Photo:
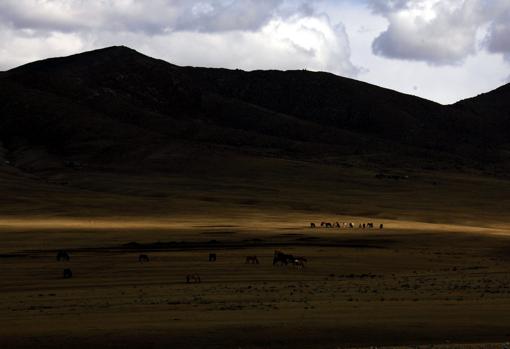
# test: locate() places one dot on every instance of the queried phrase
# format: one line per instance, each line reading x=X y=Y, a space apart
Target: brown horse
x=252 y=260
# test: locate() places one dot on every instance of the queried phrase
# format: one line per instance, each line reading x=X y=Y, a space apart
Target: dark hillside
x=117 y=107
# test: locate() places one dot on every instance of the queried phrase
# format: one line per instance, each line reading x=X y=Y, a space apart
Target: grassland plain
x=438 y=272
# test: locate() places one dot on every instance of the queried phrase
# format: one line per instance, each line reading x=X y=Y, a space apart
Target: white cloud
x=441 y=32
x=448 y=49
x=435 y=31
x=247 y=34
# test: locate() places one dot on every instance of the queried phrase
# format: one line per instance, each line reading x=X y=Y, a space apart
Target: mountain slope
x=115 y=106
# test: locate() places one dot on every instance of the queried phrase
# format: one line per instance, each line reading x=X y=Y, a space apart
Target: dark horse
x=63 y=256
x=68 y=273
x=193 y=278
x=252 y=260
x=281 y=258
x=212 y=257
x=143 y=258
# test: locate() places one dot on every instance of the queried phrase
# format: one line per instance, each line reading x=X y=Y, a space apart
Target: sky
x=442 y=50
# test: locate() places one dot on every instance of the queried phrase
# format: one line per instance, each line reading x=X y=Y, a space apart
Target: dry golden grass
x=438 y=272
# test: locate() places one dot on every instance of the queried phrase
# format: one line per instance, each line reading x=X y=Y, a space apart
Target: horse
x=193 y=278
x=252 y=260
x=299 y=262
x=381 y=226
x=143 y=258
x=312 y=225
x=370 y=225
x=68 y=273
x=63 y=256
x=328 y=225
x=337 y=225
x=351 y=225
x=281 y=258
x=212 y=257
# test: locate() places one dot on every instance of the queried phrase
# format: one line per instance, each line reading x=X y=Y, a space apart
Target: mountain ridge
x=117 y=100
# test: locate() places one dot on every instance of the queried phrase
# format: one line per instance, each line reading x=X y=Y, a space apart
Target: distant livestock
x=143 y=258
x=280 y=258
x=351 y=225
x=252 y=260
x=62 y=256
x=299 y=262
x=193 y=278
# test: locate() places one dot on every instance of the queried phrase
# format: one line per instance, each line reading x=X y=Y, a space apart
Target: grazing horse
x=328 y=225
x=381 y=226
x=193 y=278
x=143 y=258
x=281 y=258
x=212 y=257
x=312 y=225
x=337 y=225
x=252 y=260
x=299 y=262
x=68 y=273
x=323 y=224
x=63 y=256
x=351 y=225
x=370 y=225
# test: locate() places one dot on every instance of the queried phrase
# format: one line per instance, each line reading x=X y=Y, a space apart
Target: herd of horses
x=279 y=259
x=345 y=225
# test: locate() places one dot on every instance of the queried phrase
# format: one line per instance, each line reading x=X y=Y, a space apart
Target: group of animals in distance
x=279 y=258
x=345 y=225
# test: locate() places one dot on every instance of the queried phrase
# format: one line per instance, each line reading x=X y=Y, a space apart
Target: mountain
x=114 y=132
x=117 y=107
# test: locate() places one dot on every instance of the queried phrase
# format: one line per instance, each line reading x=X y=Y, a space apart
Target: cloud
x=497 y=39
x=246 y=34
x=442 y=32
x=439 y=32
x=283 y=43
